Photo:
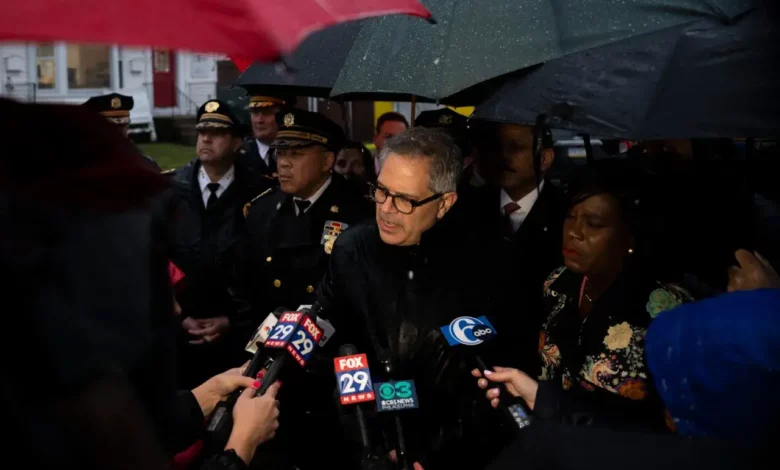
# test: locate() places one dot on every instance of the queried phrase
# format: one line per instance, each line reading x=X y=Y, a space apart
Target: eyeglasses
x=403 y=204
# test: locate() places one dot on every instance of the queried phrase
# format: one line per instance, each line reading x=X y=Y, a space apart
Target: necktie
x=509 y=208
x=213 y=187
x=302 y=206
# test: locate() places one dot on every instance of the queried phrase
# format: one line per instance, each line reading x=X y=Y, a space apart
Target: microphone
x=220 y=423
x=354 y=381
x=388 y=401
x=294 y=336
x=473 y=332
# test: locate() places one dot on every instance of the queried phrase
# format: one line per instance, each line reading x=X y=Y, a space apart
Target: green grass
x=169 y=156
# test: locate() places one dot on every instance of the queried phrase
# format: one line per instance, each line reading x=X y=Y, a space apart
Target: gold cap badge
x=334 y=209
x=212 y=106
x=445 y=119
x=289 y=120
x=116 y=103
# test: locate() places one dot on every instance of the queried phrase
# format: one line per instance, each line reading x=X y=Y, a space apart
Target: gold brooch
x=212 y=106
x=334 y=209
x=116 y=103
x=289 y=120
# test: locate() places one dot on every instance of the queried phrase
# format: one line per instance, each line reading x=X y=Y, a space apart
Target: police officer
x=263 y=108
x=291 y=229
x=285 y=252
x=116 y=108
x=209 y=196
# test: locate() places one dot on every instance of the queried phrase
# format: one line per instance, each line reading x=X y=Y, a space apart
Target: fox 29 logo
x=469 y=331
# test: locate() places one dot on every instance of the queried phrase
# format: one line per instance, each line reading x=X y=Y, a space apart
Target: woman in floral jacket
x=598 y=307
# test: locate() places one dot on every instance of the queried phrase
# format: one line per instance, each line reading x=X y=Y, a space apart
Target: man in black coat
x=284 y=254
x=394 y=282
x=518 y=215
x=263 y=108
x=209 y=196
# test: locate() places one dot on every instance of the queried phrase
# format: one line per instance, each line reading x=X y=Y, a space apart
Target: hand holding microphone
x=517 y=383
x=255 y=420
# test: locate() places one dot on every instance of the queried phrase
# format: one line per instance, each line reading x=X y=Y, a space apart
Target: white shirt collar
x=224 y=182
x=314 y=197
x=526 y=203
x=262 y=150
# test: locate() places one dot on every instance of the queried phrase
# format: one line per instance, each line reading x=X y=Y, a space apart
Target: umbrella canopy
x=251 y=29
x=312 y=69
x=476 y=40
x=702 y=80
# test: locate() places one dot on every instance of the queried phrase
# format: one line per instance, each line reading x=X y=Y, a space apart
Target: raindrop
x=436 y=61
x=669 y=351
x=684 y=380
x=663 y=385
x=411 y=275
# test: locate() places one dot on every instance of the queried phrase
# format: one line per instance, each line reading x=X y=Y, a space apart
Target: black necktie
x=213 y=187
x=302 y=206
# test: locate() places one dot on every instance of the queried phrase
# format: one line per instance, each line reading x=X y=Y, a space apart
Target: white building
x=164 y=83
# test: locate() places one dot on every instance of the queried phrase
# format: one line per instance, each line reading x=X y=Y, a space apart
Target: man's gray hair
x=434 y=145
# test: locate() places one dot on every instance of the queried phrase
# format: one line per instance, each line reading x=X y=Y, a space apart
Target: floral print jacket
x=603 y=352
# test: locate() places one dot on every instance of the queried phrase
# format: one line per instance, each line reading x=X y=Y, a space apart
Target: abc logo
x=470 y=331
x=480 y=332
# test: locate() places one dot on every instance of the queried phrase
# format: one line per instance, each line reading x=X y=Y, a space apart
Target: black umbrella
x=313 y=68
x=476 y=40
x=706 y=79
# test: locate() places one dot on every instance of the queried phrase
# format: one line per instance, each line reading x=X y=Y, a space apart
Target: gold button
x=310 y=289
x=268 y=260
x=277 y=283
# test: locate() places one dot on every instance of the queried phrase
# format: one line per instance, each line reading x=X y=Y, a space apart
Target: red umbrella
x=252 y=29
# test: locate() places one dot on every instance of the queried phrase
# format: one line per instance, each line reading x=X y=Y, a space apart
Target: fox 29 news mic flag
x=471 y=331
x=296 y=334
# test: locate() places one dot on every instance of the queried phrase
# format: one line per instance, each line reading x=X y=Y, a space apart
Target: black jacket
x=388 y=297
x=519 y=264
x=249 y=157
x=202 y=238
x=282 y=257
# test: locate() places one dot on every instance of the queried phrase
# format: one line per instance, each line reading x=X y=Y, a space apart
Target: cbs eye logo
x=390 y=391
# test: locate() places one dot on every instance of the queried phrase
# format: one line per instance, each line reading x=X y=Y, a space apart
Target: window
x=162 y=61
x=46 y=65
x=88 y=66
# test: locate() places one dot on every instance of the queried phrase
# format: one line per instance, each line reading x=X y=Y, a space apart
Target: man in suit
x=263 y=108
x=209 y=196
x=521 y=216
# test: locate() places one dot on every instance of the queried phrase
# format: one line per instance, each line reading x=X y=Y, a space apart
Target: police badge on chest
x=330 y=232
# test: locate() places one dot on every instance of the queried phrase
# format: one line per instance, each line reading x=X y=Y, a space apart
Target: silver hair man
x=417 y=183
x=433 y=144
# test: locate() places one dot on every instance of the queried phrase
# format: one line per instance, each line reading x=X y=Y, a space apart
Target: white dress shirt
x=526 y=203
x=224 y=182
x=263 y=149
x=313 y=198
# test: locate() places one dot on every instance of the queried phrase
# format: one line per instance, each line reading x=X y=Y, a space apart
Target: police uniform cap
x=442 y=118
x=260 y=97
x=216 y=114
x=115 y=107
x=300 y=128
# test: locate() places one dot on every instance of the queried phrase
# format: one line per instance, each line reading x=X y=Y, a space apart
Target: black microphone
x=220 y=422
x=354 y=385
x=473 y=332
x=389 y=371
